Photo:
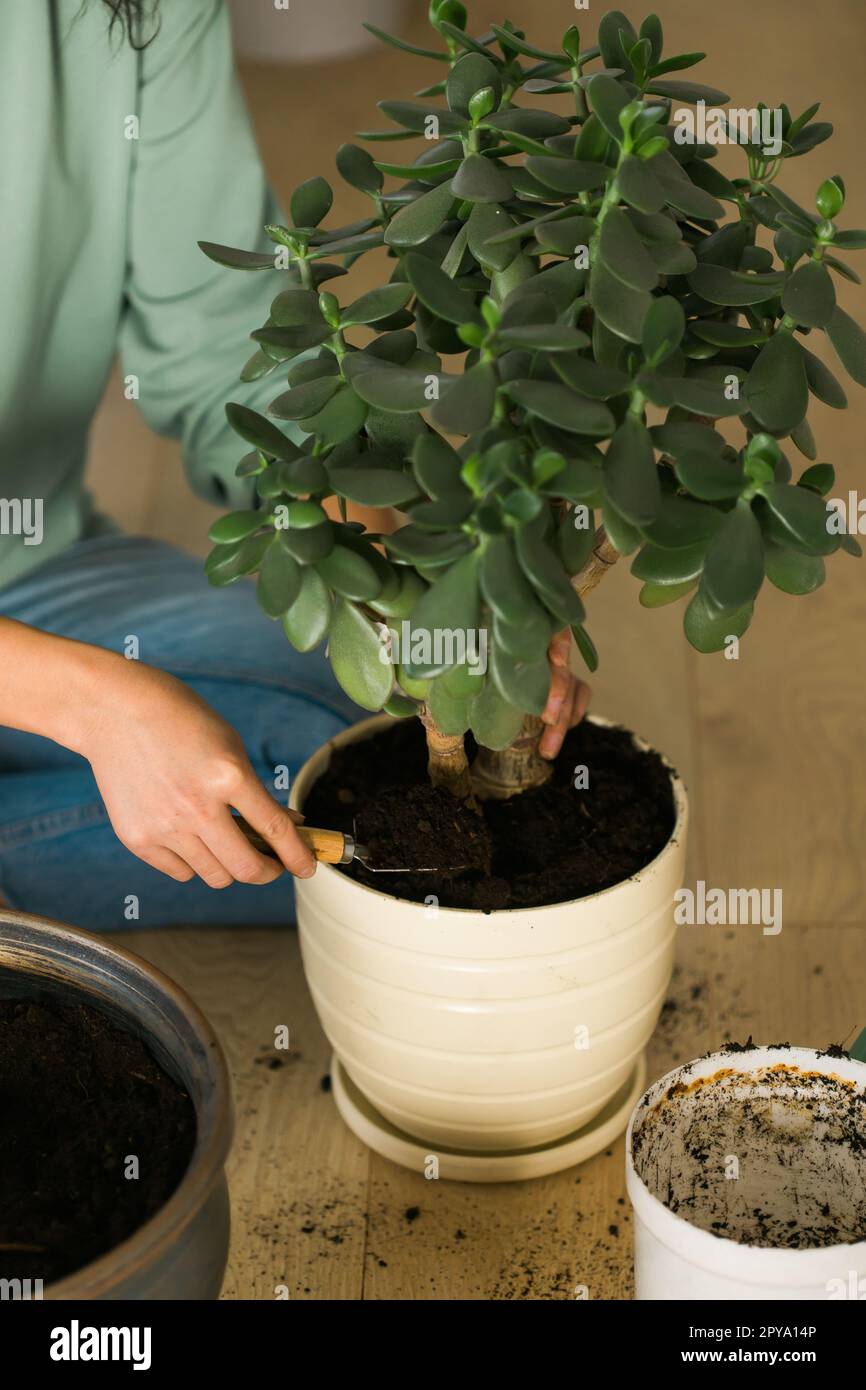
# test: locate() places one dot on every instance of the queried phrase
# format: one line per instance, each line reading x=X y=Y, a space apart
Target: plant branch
x=447 y=764
x=604 y=556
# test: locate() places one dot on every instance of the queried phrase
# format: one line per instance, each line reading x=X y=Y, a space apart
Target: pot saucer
x=464 y=1165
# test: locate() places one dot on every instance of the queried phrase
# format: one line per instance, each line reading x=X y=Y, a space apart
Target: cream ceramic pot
x=801 y=1120
x=488 y=1031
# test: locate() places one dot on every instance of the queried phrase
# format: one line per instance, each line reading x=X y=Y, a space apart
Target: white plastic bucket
x=463 y=1028
x=795 y=1099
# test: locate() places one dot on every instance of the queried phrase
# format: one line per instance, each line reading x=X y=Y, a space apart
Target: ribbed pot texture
x=488 y=1031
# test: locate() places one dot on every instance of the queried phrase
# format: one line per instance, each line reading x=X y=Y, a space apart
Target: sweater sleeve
x=197 y=176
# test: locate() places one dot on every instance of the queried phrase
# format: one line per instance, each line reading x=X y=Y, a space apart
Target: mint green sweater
x=98 y=250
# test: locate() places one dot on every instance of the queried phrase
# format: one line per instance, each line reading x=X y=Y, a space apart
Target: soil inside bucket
x=775 y=1157
x=553 y=844
x=79 y=1099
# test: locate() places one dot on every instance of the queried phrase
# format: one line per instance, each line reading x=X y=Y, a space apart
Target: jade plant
x=605 y=296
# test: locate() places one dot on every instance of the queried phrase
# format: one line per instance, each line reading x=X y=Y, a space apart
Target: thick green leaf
x=279 y=581
x=238 y=260
x=340 y=419
x=470 y=74
x=417 y=118
x=616 y=29
x=401 y=603
x=690 y=92
x=480 y=180
x=376 y=305
x=630 y=477
x=821 y=478
x=485 y=221
x=793 y=572
x=505 y=587
x=419 y=220
x=681 y=522
x=494 y=722
x=776 y=387
x=438 y=291
x=304 y=401
x=259 y=432
x=561 y=407
x=545 y=337
x=306 y=623
x=639 y=186
x=660 y=595
x=452 y=605
x=589 y=378
x=803 y=516
x=349 y=574
x=226 y=563
x=358 y=657
x=545 y=572
x=310 y=544
x=663 y=329
x=570 y=176
x=608 y=98
x=822 y=382
x=525 y=684
x=849 y=340
x=624 y=254
x=709 y=631
x=575 y=538
x=311 y=202
x=403 y=45
x=708 y=476
x=424 y=549
x=621 y=309
x=397 y=389
x=236 y=527
x=734 y=563
x=449 y=708
x=810 y=296
x=357 y=168
x=669 y=567
x=467 y=405
x=296 y=308
x=374 y=487
x=720 y=285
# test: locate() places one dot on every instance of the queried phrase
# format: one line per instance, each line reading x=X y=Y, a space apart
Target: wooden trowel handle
x=329 y=846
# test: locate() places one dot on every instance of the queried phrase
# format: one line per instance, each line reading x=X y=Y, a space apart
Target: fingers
x=571 y=709
x=276 y=825
x=167 y=862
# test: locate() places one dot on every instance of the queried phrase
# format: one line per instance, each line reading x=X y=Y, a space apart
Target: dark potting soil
x=77 y=1098
x=549 y=845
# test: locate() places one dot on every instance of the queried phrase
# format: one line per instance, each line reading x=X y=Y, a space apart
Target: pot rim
x=213 y=1139
x=729 y=1258
x=365 y=728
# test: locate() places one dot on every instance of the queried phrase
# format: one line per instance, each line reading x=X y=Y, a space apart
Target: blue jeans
x=59 y=856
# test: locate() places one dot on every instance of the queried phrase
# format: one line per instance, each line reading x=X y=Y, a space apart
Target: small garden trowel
x=331 y=847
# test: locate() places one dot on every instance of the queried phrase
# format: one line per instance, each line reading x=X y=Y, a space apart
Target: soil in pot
x=775 y=1157
x=553 y=844
x=78 y=1097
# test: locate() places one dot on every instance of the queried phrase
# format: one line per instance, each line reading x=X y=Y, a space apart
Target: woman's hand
x=568 y=700
x=169 y=768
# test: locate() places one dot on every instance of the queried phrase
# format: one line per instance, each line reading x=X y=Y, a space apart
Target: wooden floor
x=772 y=747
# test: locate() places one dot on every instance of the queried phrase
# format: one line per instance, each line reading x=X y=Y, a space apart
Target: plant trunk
x=500 y=773
x=447 y=764
x=506 y=772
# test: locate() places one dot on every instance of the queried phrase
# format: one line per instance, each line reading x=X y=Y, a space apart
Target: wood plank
x=297 y=1176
